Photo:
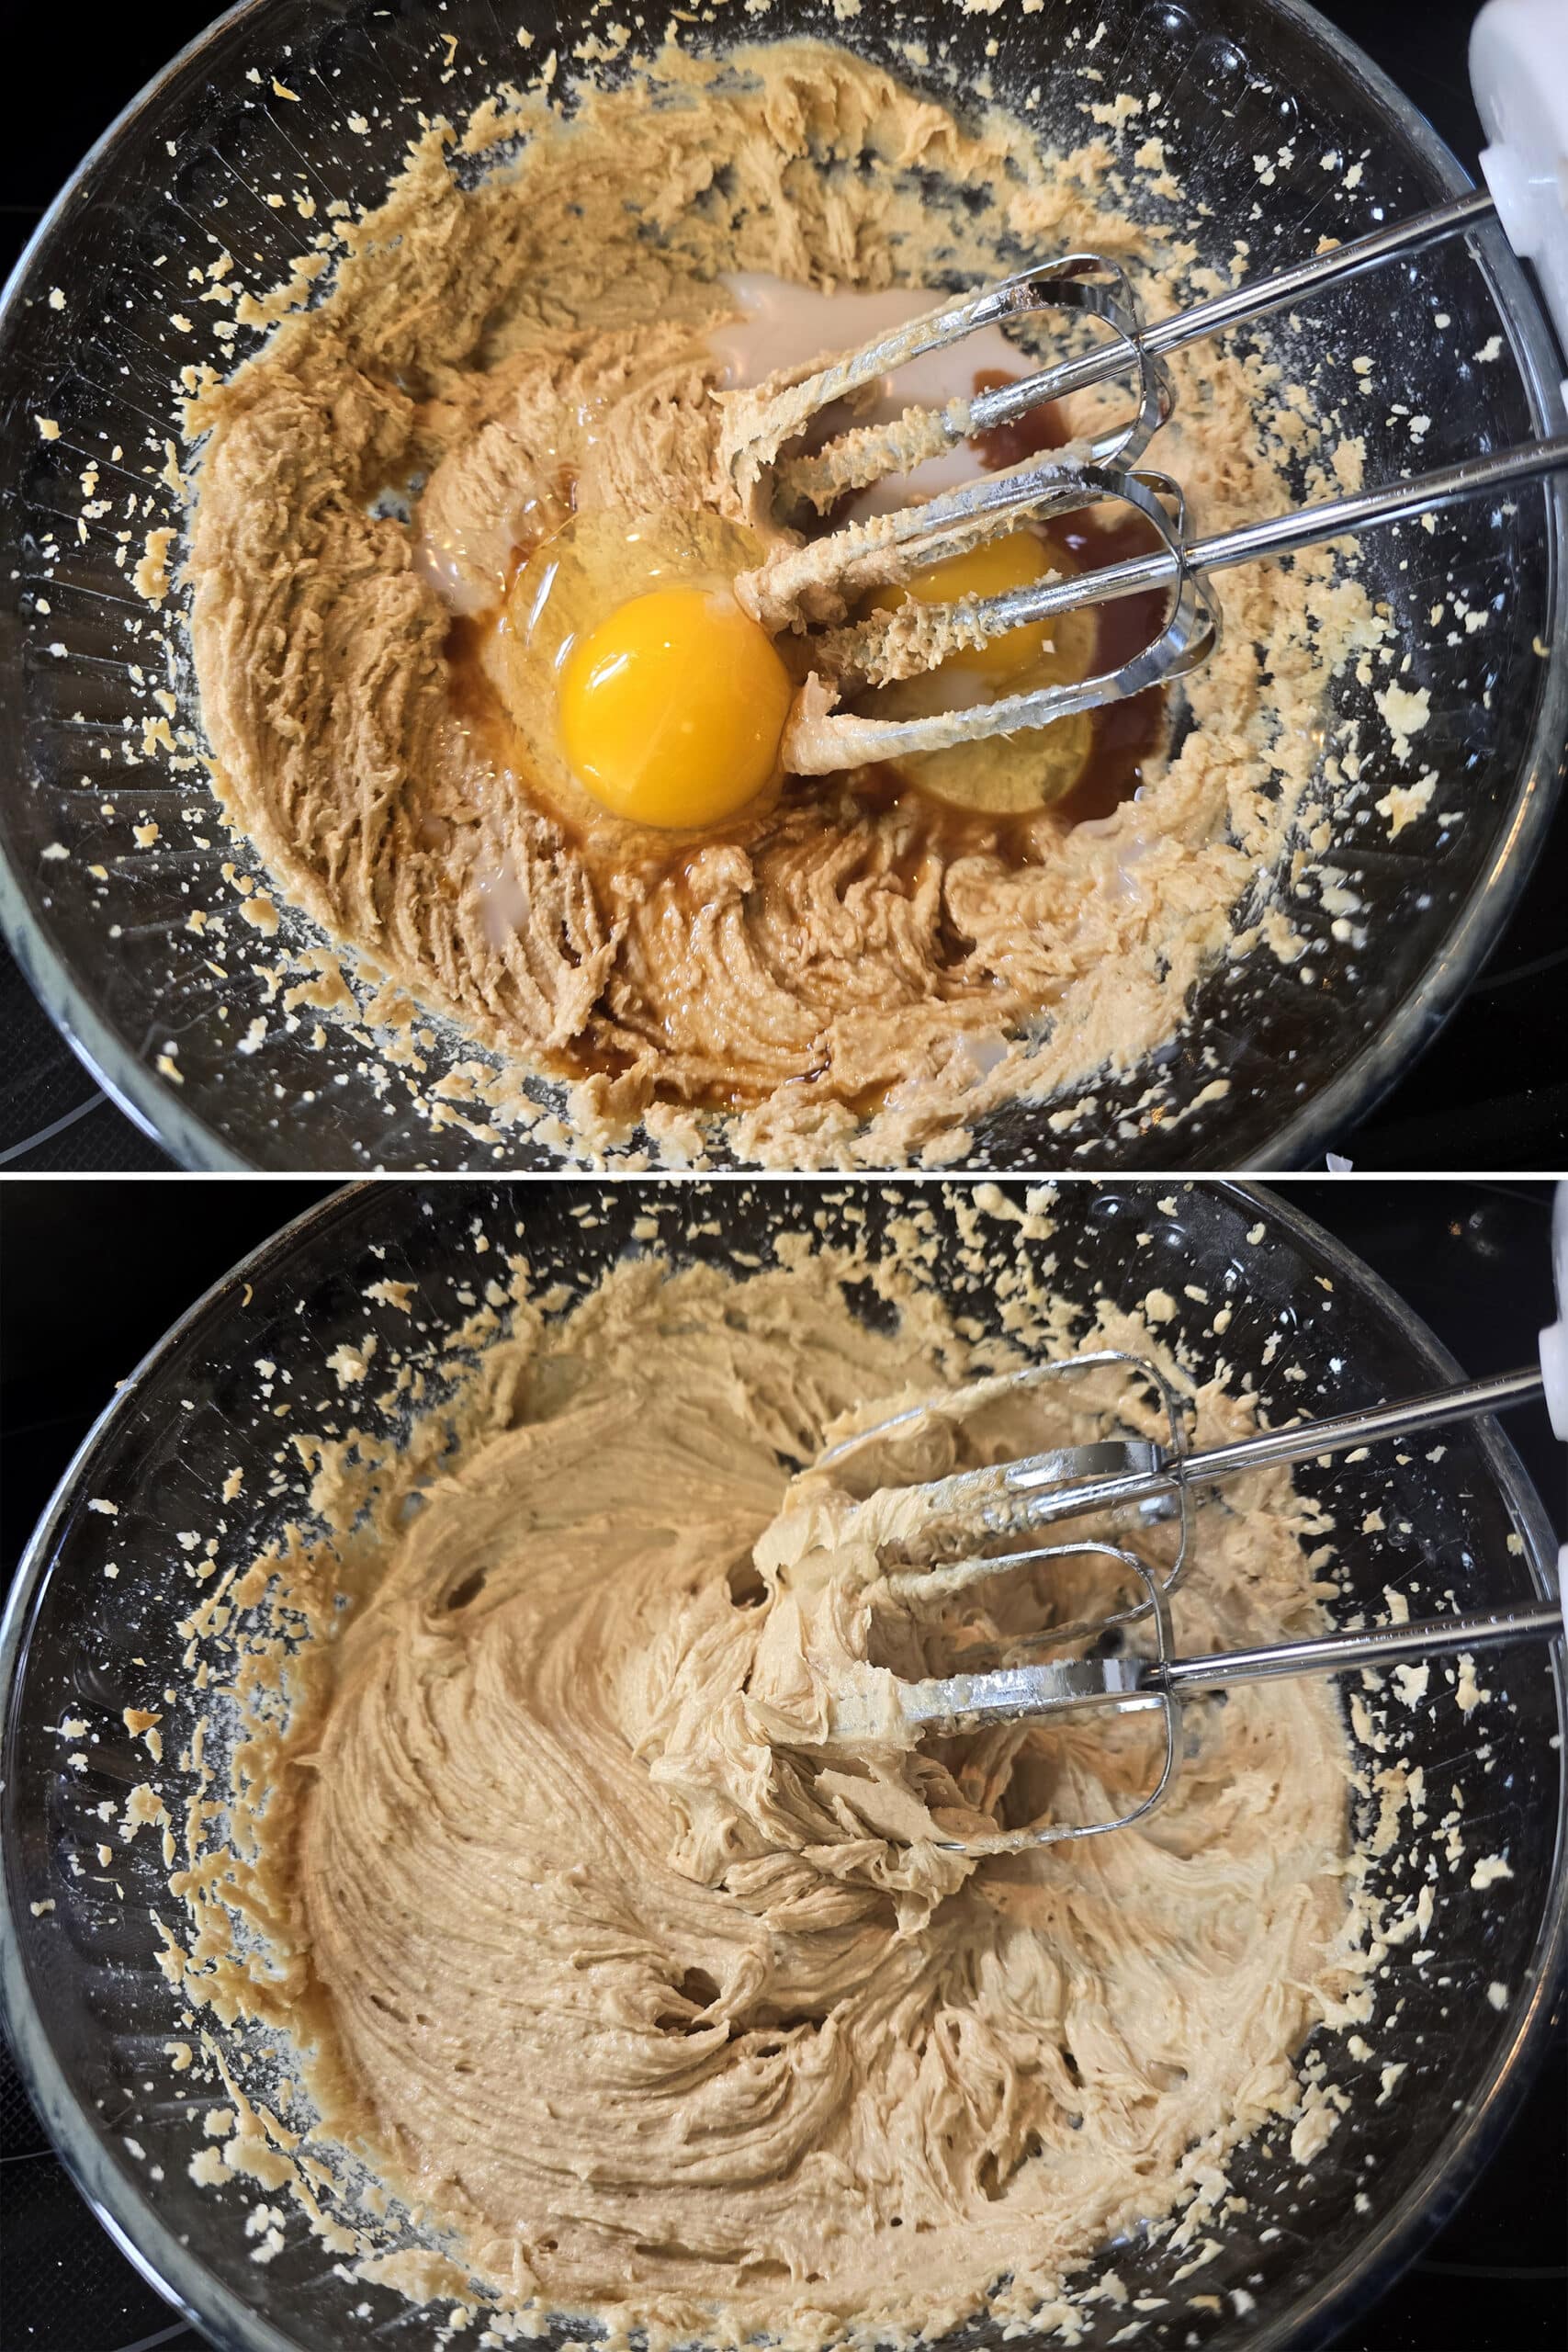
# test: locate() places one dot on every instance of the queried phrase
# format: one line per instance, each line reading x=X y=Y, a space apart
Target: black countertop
x=78 y=1312
x=1493 y=1091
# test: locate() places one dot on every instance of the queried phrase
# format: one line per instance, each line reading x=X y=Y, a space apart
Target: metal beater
x=823 y=580
x=951 y=1528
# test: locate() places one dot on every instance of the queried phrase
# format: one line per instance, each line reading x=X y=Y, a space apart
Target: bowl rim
x=152 y=1103
x=116 y=2196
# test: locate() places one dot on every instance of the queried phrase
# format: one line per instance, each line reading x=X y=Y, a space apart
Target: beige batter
x=671 y=2009
x=834 y=975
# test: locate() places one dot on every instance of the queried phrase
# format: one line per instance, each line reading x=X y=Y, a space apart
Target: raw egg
x=637 y=677
x=1000 y=774
x=672 y=709
x=990 y=569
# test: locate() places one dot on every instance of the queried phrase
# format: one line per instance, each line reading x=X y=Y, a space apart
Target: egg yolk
x=672 y=709
x=989 y=569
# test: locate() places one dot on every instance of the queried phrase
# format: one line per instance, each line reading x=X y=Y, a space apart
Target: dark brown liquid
x=474 y=701
x=466 y=638
x=1036 y=430
x=1126 y=733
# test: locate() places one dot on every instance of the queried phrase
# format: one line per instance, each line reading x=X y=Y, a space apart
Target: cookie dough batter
x=676 y=2013
x=843 y=971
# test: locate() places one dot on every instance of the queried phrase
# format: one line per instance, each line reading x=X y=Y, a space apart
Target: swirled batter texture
x=835 y=975
x=676 y=2013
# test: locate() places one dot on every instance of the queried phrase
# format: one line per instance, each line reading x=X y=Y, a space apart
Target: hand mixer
x=972 y=1511
x=1523 y=97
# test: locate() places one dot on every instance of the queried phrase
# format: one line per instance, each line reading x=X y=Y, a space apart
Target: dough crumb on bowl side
x=511 y=1848
x=820 y=985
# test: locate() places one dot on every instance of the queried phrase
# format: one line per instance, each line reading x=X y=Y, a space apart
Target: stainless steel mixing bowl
x=98 y=911
x=1461 y=2009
